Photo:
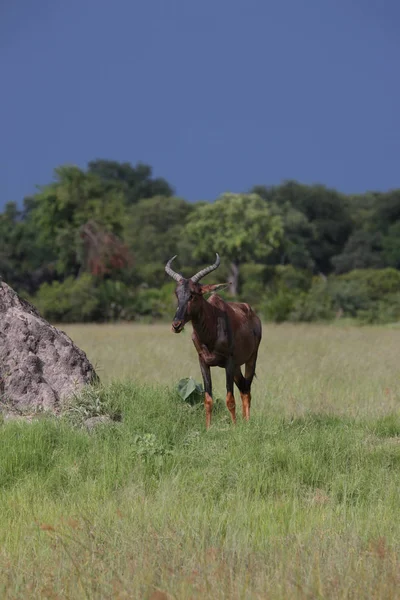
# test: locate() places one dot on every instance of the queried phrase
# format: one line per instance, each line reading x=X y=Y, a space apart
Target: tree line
x=92 y=244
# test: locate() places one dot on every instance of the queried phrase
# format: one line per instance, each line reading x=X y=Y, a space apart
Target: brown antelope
x=225 y=334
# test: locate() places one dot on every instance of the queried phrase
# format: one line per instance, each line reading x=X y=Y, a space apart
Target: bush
x=316 y=305
x=155 y=303
x=116 y=301
x=382 y=312
x=291 y=278
x=253 y=280
x=370 y=295
x=151 y=274
x=286 y=289
x=282 y=293
x=379 y=282
x=349 y=296
x=72 y=301
x=85 y=299
x=278 y=306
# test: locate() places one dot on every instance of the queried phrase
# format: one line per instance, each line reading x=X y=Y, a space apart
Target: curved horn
x=207 y=270
x=170 y=272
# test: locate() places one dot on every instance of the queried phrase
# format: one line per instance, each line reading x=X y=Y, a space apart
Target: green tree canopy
x=61 y=208
x=135 y=183
x=240 y=227
x=363 y=250
x=154 y=231
x=324 y=228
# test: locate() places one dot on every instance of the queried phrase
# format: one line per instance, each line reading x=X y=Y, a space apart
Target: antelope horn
x=170 y=272
x=207 y=270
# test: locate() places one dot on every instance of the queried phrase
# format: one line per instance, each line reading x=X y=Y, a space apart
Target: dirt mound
x=40 y=366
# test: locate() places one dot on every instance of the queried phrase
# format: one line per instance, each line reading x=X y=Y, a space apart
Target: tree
x=61 y=208
x=8 y=232
x=154 y=232
x=295 y=246
x=387 y=209
x=240 y=227
x=20 y=255
x=135 y=183
x=362 y=251
x=391 y=246
x=104 y=253
x=322 y=231
x=362 y=209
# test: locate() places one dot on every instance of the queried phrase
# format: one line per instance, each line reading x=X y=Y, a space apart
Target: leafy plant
x=278 y=307
x=72 y=301
x=190 y=391
x=148 y=448
x=316 y=305
x=91 y=402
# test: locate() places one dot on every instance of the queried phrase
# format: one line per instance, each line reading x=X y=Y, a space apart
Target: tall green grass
x=285 y=506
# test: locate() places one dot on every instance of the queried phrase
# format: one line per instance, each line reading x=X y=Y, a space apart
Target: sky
x=215 y=95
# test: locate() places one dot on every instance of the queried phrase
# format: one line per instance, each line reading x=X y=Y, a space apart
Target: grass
x=302 y=502
x=350 y=371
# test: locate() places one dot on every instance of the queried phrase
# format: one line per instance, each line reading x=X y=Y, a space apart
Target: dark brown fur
x=226 y=335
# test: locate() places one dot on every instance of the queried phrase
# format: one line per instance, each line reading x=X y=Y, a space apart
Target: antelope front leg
x=208 y=401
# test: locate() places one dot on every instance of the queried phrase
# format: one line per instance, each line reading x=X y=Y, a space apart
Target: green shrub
x=278 y=306
x=253 y=280
x=273 y=290
x=72 y=301
x=291 y=278
x=84 y=299
x=116 y=301
x=382 y=311
x=316 y=305
x=379 y=282
x=280 y=293
x=370 y=295
x=349 y=296
x=155 y=303
x=151 y=274
x=287 y=287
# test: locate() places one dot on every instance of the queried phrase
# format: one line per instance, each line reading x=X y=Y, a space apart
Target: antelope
x=225 y=334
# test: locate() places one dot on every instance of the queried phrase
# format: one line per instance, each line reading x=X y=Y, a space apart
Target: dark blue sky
x=216 y=95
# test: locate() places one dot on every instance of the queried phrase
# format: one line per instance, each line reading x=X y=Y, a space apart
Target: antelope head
x=189 y=293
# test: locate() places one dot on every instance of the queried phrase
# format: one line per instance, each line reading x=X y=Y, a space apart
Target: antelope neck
x=203 y=322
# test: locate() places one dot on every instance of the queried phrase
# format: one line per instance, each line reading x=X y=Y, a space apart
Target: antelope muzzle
x=177 y=326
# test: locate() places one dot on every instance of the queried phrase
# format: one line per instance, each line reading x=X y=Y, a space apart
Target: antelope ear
x=206 y=289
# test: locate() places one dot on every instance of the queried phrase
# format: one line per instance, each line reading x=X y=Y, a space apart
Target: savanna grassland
x=301 y=502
